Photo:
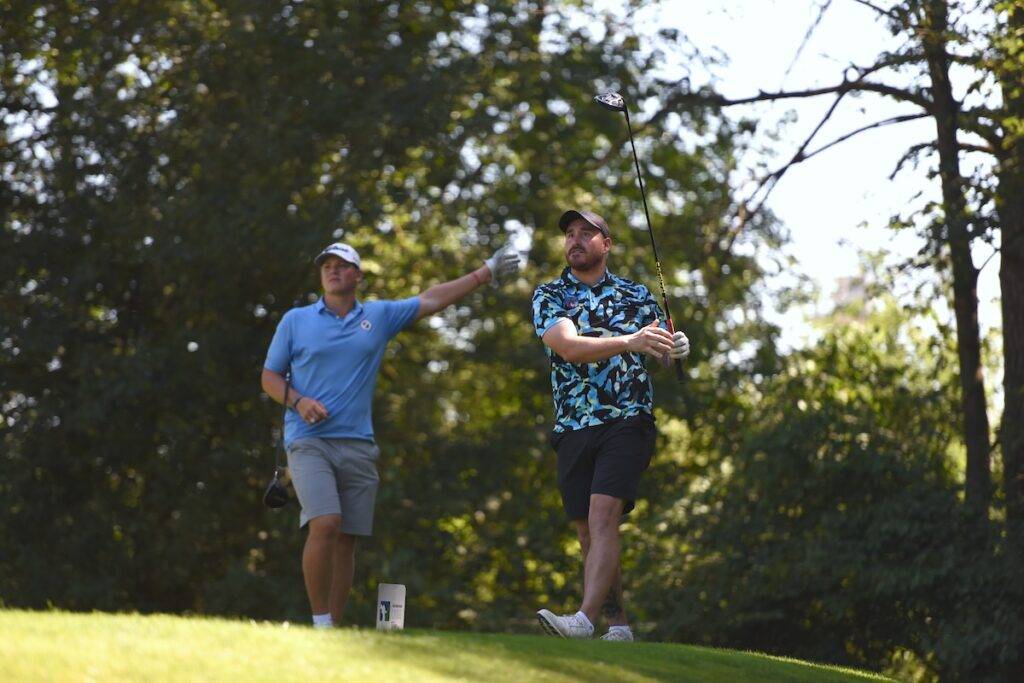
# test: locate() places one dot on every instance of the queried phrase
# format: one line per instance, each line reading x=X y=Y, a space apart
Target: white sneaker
x=620 y=634
x=567 y=626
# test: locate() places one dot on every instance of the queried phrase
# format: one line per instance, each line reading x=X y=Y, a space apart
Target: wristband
x=295 y=403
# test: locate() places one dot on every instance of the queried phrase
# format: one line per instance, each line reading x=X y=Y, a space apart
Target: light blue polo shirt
x=335 y=361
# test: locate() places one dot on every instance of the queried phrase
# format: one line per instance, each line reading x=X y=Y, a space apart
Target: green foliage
x=831 y=526
x=170 y=170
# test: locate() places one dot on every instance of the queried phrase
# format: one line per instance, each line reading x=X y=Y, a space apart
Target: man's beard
x=588 y=261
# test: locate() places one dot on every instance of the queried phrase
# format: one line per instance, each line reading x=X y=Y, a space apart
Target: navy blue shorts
x=607 y=458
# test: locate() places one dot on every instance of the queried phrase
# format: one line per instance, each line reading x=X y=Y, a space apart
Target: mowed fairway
x=58 y=646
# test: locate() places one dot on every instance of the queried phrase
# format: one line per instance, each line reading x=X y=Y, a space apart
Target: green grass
x=61 y=646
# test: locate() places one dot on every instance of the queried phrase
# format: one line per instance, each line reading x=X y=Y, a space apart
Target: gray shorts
x=335 y=477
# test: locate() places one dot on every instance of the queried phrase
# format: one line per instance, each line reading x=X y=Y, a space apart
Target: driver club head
x=611 y=100
x=276 y=495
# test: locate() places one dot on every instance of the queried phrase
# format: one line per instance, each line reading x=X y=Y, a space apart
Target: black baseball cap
x=588 y=216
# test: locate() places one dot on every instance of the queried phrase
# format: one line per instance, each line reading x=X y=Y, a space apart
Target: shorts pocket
x=309 y=443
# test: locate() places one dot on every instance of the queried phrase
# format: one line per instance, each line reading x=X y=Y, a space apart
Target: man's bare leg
x=613 y=608
x=602 y=564
x=344 y=572
x=318 y=560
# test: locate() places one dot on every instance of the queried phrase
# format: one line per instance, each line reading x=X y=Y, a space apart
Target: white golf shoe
x=623 y=635
x=566 y=626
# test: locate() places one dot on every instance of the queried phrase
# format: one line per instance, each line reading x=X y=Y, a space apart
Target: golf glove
x=504 y=264
x=680 y=346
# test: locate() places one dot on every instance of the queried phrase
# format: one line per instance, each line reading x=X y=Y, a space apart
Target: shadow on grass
x=522 y=656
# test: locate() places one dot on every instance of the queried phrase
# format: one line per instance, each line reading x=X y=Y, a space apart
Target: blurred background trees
x=168 y=172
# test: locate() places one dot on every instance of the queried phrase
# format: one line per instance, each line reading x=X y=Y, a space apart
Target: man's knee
x=325 y=527
x=605 y=512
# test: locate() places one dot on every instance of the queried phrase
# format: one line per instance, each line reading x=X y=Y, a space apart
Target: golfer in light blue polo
x=333 y=349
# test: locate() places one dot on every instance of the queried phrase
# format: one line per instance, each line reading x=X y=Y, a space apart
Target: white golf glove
x=680 y=346
x=504 y=264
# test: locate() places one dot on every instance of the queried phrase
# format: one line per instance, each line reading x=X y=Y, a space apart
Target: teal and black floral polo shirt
x=588 y=394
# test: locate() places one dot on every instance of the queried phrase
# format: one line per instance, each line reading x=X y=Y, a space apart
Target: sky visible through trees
x=839 y=203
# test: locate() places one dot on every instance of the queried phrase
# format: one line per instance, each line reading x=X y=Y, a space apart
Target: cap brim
x=319 y=260
x=568 y=217
x=572 y=214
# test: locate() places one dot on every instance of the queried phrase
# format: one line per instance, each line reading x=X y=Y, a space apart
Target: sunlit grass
x=60 y=646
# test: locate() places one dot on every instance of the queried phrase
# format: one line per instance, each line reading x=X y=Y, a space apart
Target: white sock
x=322 y=620
x=620 y=628
x=586 y=620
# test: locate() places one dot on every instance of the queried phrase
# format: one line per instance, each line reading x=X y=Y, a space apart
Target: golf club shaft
x=680 y=376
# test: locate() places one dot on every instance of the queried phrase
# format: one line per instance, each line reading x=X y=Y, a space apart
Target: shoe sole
x=548 y=627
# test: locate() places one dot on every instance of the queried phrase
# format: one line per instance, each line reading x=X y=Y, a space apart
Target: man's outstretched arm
x=503 y=265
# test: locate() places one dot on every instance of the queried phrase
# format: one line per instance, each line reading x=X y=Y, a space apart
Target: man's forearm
x=563 y=339
x=443 y=295
x=593 y=349
x=274 y=385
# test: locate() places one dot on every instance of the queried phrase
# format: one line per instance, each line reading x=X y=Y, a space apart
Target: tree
x=1010 y=73
x=829 y=526
x=926 y=24
x=163 y=208
x=1009 y=70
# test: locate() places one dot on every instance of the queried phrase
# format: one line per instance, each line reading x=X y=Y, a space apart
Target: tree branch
x=678 y=92
x=990 y=257
x=880 y=10
x=842 y=88
x=877 y=124
x=910 y=154
x=971 y=147
x=971 y=121
x=744 y=213
x=1005 y=245
x=807 y=37
x=768 y=182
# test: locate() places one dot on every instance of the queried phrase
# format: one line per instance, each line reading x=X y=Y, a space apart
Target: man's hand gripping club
x=651 y=340
x=660 y=343
x=564 y=340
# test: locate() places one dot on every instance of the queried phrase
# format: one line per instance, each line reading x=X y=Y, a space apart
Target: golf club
x=276 y=495
x=615 y=102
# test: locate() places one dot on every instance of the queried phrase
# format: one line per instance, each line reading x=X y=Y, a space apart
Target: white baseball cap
x=341 y=250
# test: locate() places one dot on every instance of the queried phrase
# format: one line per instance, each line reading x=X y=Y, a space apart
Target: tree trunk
x=1010 y=202
x=1011 y=282
x=1010 y=205
x=965 y=275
